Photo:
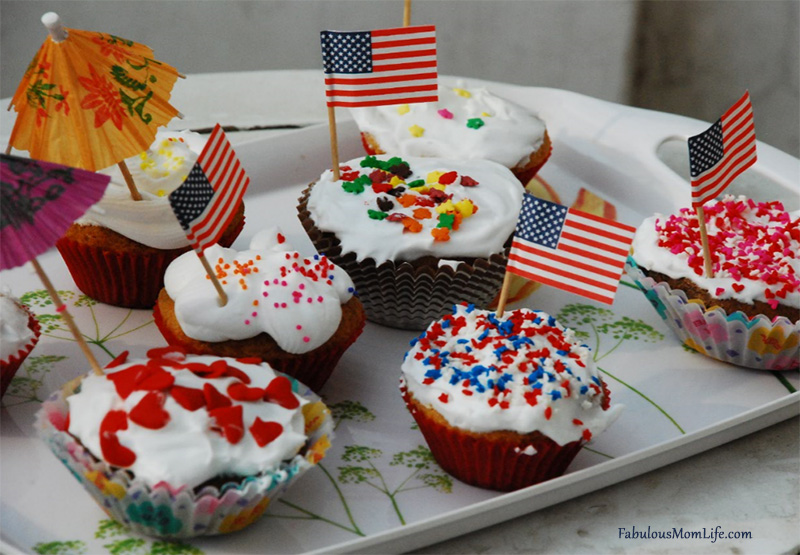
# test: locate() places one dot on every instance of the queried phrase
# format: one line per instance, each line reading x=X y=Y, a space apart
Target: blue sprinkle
x=595 y=380
x=351 y=289
x=435 y=374
x=584 y=389
x=330 y=276
x=551 y=321
x=468 y=349
x=483 y=336
x=537 y=385
x=470 y=308
x=445 y=324
x=555 y=395
x=462 y=341
x=316 y=257
x=414 y=341
x=562 y=353
x=551 y=377
x=536 y=374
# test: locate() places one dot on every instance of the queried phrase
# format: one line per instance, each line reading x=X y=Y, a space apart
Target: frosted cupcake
x=118 y=252
x=298 y=314
x=504 y=403
x=19 y=333
x=415 y=234
x=747 y=314
x=181 y=446
x=466 y=123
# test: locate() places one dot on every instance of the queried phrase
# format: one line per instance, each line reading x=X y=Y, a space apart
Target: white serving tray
x=677 y=403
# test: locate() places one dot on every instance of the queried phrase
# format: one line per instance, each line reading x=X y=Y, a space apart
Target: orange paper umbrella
x=90 y=99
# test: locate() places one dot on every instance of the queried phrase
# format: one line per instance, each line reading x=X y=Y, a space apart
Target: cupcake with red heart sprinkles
x=178 y=445
x=504 y=402
x=748 y=312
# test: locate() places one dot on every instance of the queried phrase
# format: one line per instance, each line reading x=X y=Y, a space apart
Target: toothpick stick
x=407 y=13
x=62 y=309
x=334 y=142
x=126 y=174
x=223 y=298
x=701 y=220
x=501 y=303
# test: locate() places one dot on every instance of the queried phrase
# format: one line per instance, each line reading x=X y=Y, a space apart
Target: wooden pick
x=62 y=309
x=223 y=298
x=501 y=303
x=407 y=13
x=135 y=194
x=334 y=142
x=701 y=220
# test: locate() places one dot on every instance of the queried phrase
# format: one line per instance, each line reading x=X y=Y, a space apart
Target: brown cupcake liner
x=312 y=368
x=9 y=367
x=409 y=295
x=492 y=463
x=123 y=278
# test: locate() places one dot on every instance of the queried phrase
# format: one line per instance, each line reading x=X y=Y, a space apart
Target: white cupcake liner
x=736 y=338
x=162 y=511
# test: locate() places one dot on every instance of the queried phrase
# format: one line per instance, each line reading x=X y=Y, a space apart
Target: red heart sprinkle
x=218 y=369
x=249 y=360
x=240 y=392
x=125 y=380
x=281 y=238
x=113 y=451
x=279 y=391
x=234 y=372
x=189 y=398
x=170 y=351
x=120 y=360
x=228 y=422
x=214 y=399
x=448 y=178
x=738 y=287
x=265 y=432
x=149 y=412
x=155 y=379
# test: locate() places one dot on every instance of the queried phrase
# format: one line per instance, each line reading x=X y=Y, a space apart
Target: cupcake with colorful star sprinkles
x=177 y=445
x=299 y=314
x=504 y=403
x=467 y=123
x=415 y=234
x=748 y=312
x=118 y=251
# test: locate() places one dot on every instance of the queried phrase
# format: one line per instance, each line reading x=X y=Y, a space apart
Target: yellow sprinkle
x=403 y=109
x=143 y=155
x=416 y=130
x=462 y=92
x=396 y=181
x=161 y=193
x=445 y=207
x=440 y=186
x=433 y=177
x=486 y=114
x=465 y=207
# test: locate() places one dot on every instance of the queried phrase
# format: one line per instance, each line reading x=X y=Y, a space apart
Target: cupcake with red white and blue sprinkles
x=748 y=313
x=299 y=314
x=504 y=403
x=178 y=446
x=416 y=235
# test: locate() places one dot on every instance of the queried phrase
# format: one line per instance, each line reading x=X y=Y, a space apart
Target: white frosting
x=187 y=450
x=15 y=334
x=156 y=172
x=534 y=392
x=270 y=288
x=650 y=255
x=498 y=197
x=509 y=135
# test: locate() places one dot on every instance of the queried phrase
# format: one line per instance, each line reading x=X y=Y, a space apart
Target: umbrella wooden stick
x=135 y=194
x=223 y=298
x=62 y=309
x=407 y=13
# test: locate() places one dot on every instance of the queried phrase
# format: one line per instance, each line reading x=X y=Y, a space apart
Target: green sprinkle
x=373 y=162
x=416 y=183
x=475 y=123
x=357 y=186
x=446 y=220
x=376 y=214
x=369 y=162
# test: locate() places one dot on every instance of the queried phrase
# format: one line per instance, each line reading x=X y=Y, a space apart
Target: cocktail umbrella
x=90 y=100
x=38 y=202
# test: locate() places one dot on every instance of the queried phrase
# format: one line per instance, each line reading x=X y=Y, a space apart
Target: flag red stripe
x=403 y=30
x=383 y=102
x=594 y=230
x=378 y=92
x=591 y=256
x=209 y=155
x=596 y=244
x=208 y=231
x=560 y=285
x=399 y=43
x=559 y=272
x=745 y=99
x=403 y=67
x=221 y=168
x=402 y=55
x=378 y=80
x=551 y=255
x=602 y=220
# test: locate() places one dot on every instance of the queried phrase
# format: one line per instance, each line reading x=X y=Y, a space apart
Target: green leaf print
x=60 y=548
x=24 y=387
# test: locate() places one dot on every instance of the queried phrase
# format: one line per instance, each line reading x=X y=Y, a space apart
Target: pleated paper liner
x=312 y=368
x=124 y=278
x=491 y=462
x=9 y=367
x=409 y=295
x=757 y=342
x=163 y=511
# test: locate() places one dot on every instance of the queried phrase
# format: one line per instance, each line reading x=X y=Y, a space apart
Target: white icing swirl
x=498 y=197
x=509 y=133
x=189 y=448
x=15 y=334
x=156 y=172
x=270 y=288
x=484 y=375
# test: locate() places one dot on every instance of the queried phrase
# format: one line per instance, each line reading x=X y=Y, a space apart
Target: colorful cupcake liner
x=490 y=464
x=313 y=368
x=125 y=279
x=9 y=367
x=407 y=296
x=163 y=511
x=735 y=338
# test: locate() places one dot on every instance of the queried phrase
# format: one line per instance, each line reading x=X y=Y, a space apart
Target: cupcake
x=118 y=252
x=747 y=313
x=465 y=124
x=181 y=446
x=19 y=333
x=504 y=403
x=298 y=314
x=416 y=234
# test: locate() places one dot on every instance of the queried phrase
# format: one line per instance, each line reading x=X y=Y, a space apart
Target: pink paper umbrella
x=38 y=202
